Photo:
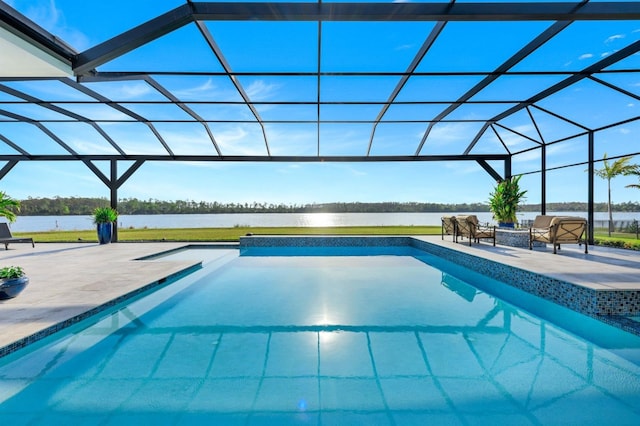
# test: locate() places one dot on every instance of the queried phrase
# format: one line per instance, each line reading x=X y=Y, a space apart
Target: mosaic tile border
x=606 y=305
x=621 y=322
x=26 y=341
x=323 y=241
x=595 y=303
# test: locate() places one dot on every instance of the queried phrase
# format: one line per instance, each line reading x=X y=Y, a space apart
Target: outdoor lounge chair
x=558 y=230
x=448 y=226
x=6 y=238
x=468 y=226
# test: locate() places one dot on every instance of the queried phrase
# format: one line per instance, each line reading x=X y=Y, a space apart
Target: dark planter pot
x=11 y=287
x=506 y=225
x=105 y=231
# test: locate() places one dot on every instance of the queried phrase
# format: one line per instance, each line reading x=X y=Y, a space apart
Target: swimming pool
x=329 y=336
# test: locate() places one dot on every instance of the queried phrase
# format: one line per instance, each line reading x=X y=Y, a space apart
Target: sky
x=375 y=47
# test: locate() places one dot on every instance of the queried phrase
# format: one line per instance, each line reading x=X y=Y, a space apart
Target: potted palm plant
x=504 y=201
x=12 y=281
x=104 y=217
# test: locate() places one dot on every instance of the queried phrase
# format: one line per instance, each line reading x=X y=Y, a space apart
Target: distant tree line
x=59 y=206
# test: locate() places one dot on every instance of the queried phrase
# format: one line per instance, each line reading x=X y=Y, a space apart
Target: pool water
x=401 y=338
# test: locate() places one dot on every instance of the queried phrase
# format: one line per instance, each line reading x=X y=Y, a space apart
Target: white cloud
x=405 y=47
x=135 y=90
x=240 y=139
x=134 y=138
x=193 y=92
x=185 y=141
x=614 y=38
x=527 y=157
x=123 y=90
x=232 y=135
x=100 y=112
x=294 y=140
x=261 y=91
x=463 y=167
x=256 y=91
x=585 y=56
x=444 y=134
x=560 y=148
x=93 y=148
x=624 y=131
x=48 y=16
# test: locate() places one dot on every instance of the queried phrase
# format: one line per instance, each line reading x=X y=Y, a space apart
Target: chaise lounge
x=468 y=226
x=558 y=230
x=6 y=238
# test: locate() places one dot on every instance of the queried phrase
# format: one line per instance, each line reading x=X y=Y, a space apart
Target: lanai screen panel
x=323 y=81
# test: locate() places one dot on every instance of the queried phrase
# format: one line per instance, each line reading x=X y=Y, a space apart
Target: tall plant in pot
x=504 y=201
x=104 y=218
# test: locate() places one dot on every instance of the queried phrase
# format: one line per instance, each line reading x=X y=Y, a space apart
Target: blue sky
x=384 y=46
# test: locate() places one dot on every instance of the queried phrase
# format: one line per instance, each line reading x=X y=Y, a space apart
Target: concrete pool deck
x=67 y=280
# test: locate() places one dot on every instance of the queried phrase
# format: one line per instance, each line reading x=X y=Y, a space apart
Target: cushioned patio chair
x=558 y=230
x=448 y=226
x=469 y=227
x=540 y=230
x=6 y=238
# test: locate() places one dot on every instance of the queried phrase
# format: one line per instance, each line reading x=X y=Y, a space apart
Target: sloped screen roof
x=329 y=81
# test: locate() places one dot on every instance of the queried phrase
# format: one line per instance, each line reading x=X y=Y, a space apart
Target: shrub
x=629 y=245
x=9 y=272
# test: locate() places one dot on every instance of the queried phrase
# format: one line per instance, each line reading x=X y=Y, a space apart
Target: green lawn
x=225 y=234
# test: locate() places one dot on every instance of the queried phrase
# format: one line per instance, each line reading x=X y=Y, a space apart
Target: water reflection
x=464 y=290
x=320 y=220
x=518 y=370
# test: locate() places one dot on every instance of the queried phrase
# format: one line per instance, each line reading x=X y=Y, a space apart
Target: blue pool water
x=329 y=338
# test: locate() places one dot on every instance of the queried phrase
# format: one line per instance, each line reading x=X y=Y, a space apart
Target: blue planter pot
x=105 y=231
x=11 y=287
x=506 y=225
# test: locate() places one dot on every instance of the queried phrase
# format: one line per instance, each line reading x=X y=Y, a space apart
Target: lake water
x=70 y=223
